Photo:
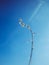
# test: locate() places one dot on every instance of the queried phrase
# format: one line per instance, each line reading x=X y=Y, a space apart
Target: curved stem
x=28 y=27
x=31 y=48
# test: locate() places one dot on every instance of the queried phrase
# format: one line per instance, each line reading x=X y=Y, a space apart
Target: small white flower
x=22 y=24
x=20 y=20
x=28 y=27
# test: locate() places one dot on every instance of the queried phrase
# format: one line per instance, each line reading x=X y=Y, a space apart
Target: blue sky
x=14 y=48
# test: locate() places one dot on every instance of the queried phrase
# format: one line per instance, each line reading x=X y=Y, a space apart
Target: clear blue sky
x=14 y=48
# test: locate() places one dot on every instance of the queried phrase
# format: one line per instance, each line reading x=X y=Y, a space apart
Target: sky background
x=14 y=45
